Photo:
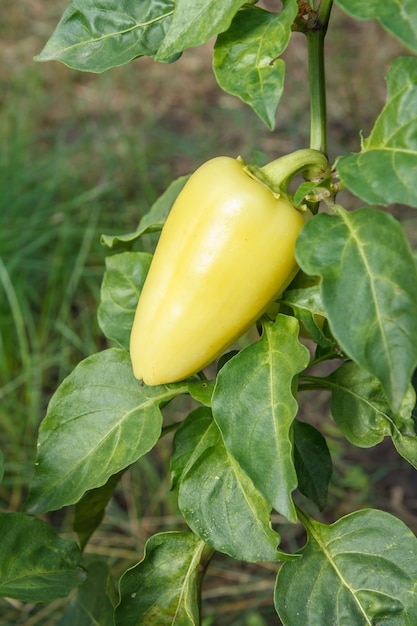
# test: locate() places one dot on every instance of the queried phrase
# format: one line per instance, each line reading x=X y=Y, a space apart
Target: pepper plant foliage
x=242 y=452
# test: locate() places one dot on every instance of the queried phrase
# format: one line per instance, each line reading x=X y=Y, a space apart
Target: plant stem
x=282 y=170
x=315 y=48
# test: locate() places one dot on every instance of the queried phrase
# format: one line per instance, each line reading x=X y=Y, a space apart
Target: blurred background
x=84 y=154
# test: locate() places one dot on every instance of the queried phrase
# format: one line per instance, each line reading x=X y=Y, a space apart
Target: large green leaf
x=246 y=58
x=36 y=565
x=164 y=588
x=91 y=606
x=194 y=22
x=384 y=172
x=359 y=571
x=96 y=35
x=122 y=283
x=218 y=501
x=398 y=17
x=360 y=408
x=254 y=408
x=99 y=421
x=369 y=291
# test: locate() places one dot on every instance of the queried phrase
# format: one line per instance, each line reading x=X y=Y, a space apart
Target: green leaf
x=96 y=35
x=398 y=18
x=164 y=588
x=361 y=570
x=122 y=284
x=246 y=58
x=201 y=390
x=254 y=408
x=221 y=505
x=312 y=462
x=158 y=213
x=152 y=222
x=89 y=511
x=194 y=22
x=196 y=433
x=36 y=565
x=99 y=421
x=369 y=291
x=308 y=309
x=1 y=466
x=360 y=408
x=91 y=606
x=384 y=171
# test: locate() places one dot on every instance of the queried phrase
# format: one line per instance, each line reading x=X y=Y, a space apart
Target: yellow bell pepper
x=225 y=253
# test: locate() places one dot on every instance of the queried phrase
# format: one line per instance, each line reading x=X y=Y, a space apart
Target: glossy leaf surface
x=94 y=36
x=398 y=18
x=36 y=565
x=254 y=408
x=246 y=58
x=384 y=171
x=218 y=501
x=360 y=408
x=369 y=291
x=194 y=22
x=99 y=421
x=163 y=589
x=361 y=570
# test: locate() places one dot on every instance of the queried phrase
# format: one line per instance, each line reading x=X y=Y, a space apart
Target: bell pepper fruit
x=225 y=253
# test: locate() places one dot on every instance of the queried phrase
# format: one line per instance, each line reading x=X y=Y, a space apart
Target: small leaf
x=94 y=36
x=384 y=172
x=398 y=18
x=201 y=390
x=152 y=222
x=254 y=408
x=308 y=309
x=194 y=22
x=89 y=511
x=246 y=58
x=164 y=588
x=369 y=291
x=360 y=570
x=36 y=565
x=360 y=408
x=99 y=421
x=91 y=606
x=120 y=290
x=313 y=463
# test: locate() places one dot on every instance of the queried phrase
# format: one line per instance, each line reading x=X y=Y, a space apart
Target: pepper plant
x=243 y=452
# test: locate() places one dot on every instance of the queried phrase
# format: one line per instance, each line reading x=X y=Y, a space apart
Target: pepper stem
x=313 y=164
